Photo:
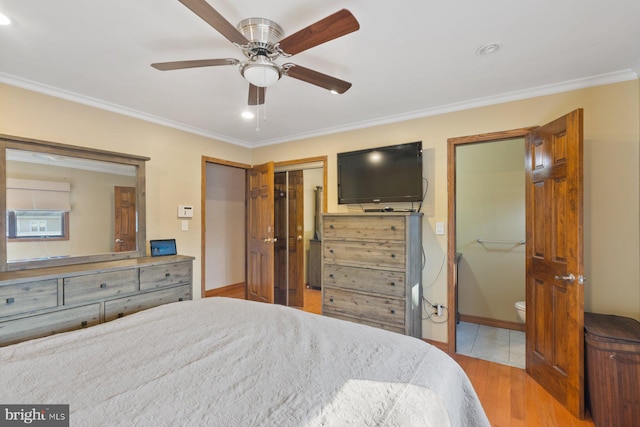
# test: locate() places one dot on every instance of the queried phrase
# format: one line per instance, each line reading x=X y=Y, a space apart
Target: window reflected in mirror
x=60 y=206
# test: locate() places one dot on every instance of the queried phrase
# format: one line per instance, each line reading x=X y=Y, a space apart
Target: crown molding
x=569 y=85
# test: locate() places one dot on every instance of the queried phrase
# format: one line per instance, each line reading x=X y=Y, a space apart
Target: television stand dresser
x=372 y=270
x=44 y=301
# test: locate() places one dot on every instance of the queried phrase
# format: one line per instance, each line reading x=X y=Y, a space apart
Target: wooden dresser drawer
x=98 y=286
x=26 y=297
x=48 y=324
x=365 y=254
x=123 y=306
x=363 y=306
x=158 y=276
x=384 y=282
x=364 y=227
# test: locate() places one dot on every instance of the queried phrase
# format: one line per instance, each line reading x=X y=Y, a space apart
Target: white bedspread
x=227 y=362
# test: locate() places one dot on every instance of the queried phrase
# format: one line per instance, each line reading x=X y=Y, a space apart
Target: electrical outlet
x=439 y=310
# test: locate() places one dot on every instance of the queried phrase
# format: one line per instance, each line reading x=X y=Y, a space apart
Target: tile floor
x=495 y=344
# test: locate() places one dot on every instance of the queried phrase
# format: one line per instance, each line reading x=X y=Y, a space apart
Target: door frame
x=203 y=197
x=452 y=143
x=203 y=212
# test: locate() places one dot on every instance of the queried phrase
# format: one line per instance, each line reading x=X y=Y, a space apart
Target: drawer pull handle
x=11 y=300
x=84 y=323
x=392 y=283
x=103 y=286
x=393 y=255
x=331 y=299
x=331 y=250
x=120 y=315
x=393 y=227
x=393 y=312
x=167 y=274
x=180 y=299
x=331 y=226
x=331 y=275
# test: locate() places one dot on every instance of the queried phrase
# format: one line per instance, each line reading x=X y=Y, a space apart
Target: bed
x=229 y=362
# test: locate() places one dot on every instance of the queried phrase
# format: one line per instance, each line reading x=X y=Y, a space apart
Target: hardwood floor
x=312 y=298
x=512 y=398
x=509 y=396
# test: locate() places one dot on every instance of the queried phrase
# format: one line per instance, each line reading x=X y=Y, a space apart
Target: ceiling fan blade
x=217 y=21
x=177 y=65
x=256 y=95
x=316 y=78
x=329 y=28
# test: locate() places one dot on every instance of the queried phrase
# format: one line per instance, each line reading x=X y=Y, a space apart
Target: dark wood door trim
x=452 y=143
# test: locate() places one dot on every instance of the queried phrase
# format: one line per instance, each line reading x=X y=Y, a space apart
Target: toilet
x=521 y=310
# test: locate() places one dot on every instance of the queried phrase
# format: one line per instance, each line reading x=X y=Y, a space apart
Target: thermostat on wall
x=185 y=211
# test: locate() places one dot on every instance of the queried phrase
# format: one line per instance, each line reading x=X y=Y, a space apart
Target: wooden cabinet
x=372 y=270
x=45 y=301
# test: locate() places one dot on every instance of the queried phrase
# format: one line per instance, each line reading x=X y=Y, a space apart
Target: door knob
x=299 y=237
x=569 y=279
x=119 y=241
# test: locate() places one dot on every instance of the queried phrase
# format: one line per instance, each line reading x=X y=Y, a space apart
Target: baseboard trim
x=505 y=324
x=439 y=344
x=224 y=291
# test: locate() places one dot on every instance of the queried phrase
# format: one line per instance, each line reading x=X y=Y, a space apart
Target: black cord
x=424 y=196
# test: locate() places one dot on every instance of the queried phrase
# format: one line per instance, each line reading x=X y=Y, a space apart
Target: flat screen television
x=381 y=175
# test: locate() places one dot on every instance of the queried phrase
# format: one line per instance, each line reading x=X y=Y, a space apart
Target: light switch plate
x=440 y=228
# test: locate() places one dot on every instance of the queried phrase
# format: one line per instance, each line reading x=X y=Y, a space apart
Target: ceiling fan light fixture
x=260 y=71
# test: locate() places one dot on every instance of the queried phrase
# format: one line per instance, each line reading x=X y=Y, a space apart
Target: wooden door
x=296 y=238
x=260 y=233
x=555 y=294
x=125 y=219
x=280 y=232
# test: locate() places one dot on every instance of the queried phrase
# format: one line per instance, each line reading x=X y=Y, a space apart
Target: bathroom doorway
x=456 y=260
x=490 y=248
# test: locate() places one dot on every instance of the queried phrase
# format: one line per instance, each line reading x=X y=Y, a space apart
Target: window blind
x=27 y=194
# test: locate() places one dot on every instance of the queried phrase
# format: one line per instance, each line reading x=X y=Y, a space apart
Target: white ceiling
x=409 y=59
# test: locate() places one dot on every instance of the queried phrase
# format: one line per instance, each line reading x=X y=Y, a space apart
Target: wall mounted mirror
x=66 y=205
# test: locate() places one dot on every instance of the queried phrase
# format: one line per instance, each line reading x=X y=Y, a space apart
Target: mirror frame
x=54 y=148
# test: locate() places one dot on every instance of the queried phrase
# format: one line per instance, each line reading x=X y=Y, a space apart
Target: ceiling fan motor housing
x=263 y=34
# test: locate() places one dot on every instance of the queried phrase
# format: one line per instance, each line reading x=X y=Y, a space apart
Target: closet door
x=260 y=233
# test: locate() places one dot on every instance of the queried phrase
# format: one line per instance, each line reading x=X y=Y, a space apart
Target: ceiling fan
x=261 y=41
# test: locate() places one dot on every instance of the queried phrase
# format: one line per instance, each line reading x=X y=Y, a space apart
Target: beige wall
x=173 y=173
x=490 y=205
x=611 y=160
x=612 y=157
x=225 y=235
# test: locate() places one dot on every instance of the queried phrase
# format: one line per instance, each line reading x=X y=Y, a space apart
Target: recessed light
x=4 y=19
x=488 y=49
x=247 y=115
